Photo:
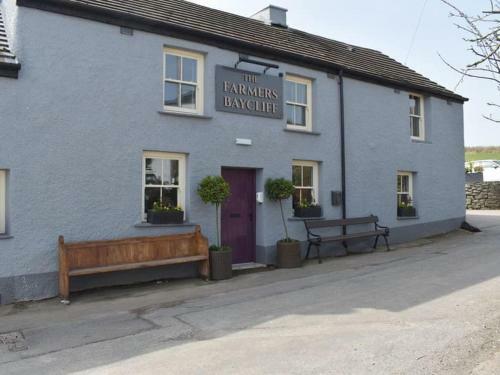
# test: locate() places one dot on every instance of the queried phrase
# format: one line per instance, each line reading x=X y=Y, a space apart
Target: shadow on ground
x=111 y=326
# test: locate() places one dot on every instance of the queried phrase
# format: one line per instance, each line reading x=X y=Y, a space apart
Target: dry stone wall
x=483 y=196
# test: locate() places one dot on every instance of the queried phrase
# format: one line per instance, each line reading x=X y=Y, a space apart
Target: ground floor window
x=305 y=180
x=3 y=188
x=164 y=180
x=405 y=202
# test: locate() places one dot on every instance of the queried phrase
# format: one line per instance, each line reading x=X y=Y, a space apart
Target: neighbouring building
x=109 y=106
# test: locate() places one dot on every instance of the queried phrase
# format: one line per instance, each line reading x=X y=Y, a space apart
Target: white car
x=490 y=168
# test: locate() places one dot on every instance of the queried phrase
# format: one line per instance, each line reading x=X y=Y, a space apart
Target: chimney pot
x=272 y=15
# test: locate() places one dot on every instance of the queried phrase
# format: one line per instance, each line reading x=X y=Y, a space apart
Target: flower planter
x=288 y=254
x=165 y=217
x=313 y=211
x=221 y=264
x=407 y=212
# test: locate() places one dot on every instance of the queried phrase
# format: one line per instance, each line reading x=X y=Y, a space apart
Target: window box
x=165 y=217
x=407 y=211
x=313 y=211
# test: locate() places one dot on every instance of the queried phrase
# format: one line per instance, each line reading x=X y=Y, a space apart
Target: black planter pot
x=288 y=254
x=221 y=264
x=165 y=217
x=313 y=211
x=407 y=212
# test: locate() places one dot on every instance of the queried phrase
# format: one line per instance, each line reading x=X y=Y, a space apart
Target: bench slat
x=132 y=266
x=352 y=236
x=340 y=222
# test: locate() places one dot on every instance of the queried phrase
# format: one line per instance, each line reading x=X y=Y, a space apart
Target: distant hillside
x=482 y=153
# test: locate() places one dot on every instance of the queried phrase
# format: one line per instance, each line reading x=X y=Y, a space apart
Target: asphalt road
x=430 y=307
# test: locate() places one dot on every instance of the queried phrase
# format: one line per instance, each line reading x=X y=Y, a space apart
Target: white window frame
x=421 y=118
x=181 y=158
x=3 y=203
x=315 y=178
x=308 y=107
x=200 y=68
x=410 y=186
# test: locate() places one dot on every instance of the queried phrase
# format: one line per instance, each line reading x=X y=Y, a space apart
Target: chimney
x=272 y=15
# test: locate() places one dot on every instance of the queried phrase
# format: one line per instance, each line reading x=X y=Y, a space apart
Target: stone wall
x=473 y=178
x=483 y=196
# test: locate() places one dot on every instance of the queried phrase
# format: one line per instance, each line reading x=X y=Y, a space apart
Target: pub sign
x=248 y=93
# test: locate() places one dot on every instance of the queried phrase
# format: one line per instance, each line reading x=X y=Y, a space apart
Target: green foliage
x=213 y=190
x=165 y=207
x=305 y=204
x=482 y=153
x=279 y=189
x=219 y=248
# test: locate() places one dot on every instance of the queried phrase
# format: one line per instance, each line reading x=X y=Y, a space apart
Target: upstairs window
x=183 y=81
x=3 y=189
x=298 y=96
x=305 y=180
x=417 y=129
x=164 y=180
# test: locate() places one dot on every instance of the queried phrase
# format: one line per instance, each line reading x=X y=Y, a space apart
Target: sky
x=389 y=26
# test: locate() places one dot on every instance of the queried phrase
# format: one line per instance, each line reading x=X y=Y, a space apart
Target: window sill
x=420 y=141
x=148 y=225
x=305 y=218
x=408 y=217
x=5 y=237
x=301 y=131
x=187 y=115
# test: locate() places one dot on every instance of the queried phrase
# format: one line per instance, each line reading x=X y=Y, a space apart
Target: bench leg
x=376 y=242
x=204 y=270
x=308 y=250
x=387 y=243
x=64 y=286
x=319 y=255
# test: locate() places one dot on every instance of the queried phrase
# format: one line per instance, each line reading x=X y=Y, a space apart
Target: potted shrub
x=288 y=250
x=406 y=209
x=165 y=214
x=215 y=190
x=306 y=209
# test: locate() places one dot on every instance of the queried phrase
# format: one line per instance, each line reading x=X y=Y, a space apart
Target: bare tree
x=482 y=33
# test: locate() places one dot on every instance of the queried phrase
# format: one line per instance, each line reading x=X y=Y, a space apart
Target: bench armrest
x=310 y=234
x=377 y=226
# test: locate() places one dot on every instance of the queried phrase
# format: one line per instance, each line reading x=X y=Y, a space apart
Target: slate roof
x=9 y=66
x=211 y=26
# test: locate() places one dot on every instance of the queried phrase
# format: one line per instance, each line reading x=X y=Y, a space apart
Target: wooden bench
x=97 y=257
x=317 y=240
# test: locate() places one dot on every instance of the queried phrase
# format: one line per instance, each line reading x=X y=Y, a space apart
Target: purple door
x=238 y=214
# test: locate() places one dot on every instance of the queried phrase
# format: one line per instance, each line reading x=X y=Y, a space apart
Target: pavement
x=428 y=307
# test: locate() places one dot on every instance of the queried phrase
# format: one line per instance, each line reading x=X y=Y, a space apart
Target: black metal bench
x=317 y=240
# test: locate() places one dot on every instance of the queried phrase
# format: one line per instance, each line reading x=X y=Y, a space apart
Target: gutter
x=342 y=147
x=118 y=18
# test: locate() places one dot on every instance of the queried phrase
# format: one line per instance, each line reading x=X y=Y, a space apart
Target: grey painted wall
x=75 y=125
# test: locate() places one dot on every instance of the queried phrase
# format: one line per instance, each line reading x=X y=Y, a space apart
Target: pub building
x=107 y=107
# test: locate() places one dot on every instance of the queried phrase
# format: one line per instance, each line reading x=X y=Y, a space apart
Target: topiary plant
x=214 y=190
x=278 y=190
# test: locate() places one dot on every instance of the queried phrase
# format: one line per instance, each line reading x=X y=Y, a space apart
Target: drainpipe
x=342 y=146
